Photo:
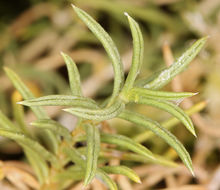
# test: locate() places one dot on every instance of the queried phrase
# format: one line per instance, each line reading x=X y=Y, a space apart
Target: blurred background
x=34 y=32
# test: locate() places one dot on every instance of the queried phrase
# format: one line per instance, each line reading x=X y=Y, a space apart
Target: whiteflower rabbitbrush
x=58 y=163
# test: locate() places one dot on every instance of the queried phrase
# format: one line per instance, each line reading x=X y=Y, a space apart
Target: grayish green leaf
x=93 y=148
x=133 y=157
x=98 y=114
x=123 y=170
x=109 y=46
x=60 y=100
x=155 y=127
x=138 y=51
x=170 y=123
x=127 y=143
x=166 y=75
x=136 y=92
x=74 y=77
x=170 y=108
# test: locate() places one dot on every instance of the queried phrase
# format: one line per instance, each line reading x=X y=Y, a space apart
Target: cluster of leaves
x=59 y=150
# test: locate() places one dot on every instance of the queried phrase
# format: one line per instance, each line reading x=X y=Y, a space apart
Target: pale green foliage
x=60 y=142
x=123 y=170
x=93 y=148
x=163 y=77
x=74 y=77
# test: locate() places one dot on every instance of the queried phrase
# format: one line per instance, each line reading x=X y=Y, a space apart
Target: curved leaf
x=127 y=143
x=123 y=170
x=106 y=179
x=172 y=109
x=109 y=46
x=168 y=124
x=166 y=75
x=155 y=127
x=138 y=51
x=93 y=148
x=73 y=73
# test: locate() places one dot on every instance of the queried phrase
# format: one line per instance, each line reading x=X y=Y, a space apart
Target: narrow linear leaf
x=103 y=177
x=29 y=143
x=129 y=156
x=100 y=114
x=109 y=46
x=172 y=109
x=123 y=170
x=138 y=51
x=166 y=75
x=53 y=126
x=60 y=100
x=136 y=92
x=156 y=128
x=123 y=142
x=49 y=138
x=93 y=148
x=109 y=154
x=168 y=124
x=127 y=143
x=74 y=77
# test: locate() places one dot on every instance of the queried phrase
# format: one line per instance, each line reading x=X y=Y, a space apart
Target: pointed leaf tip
x=126 y=14
x=122 y=170
x=109 y=47
x=160 y=131
x=74 y=6
x=163 y=77
x=62 y=53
